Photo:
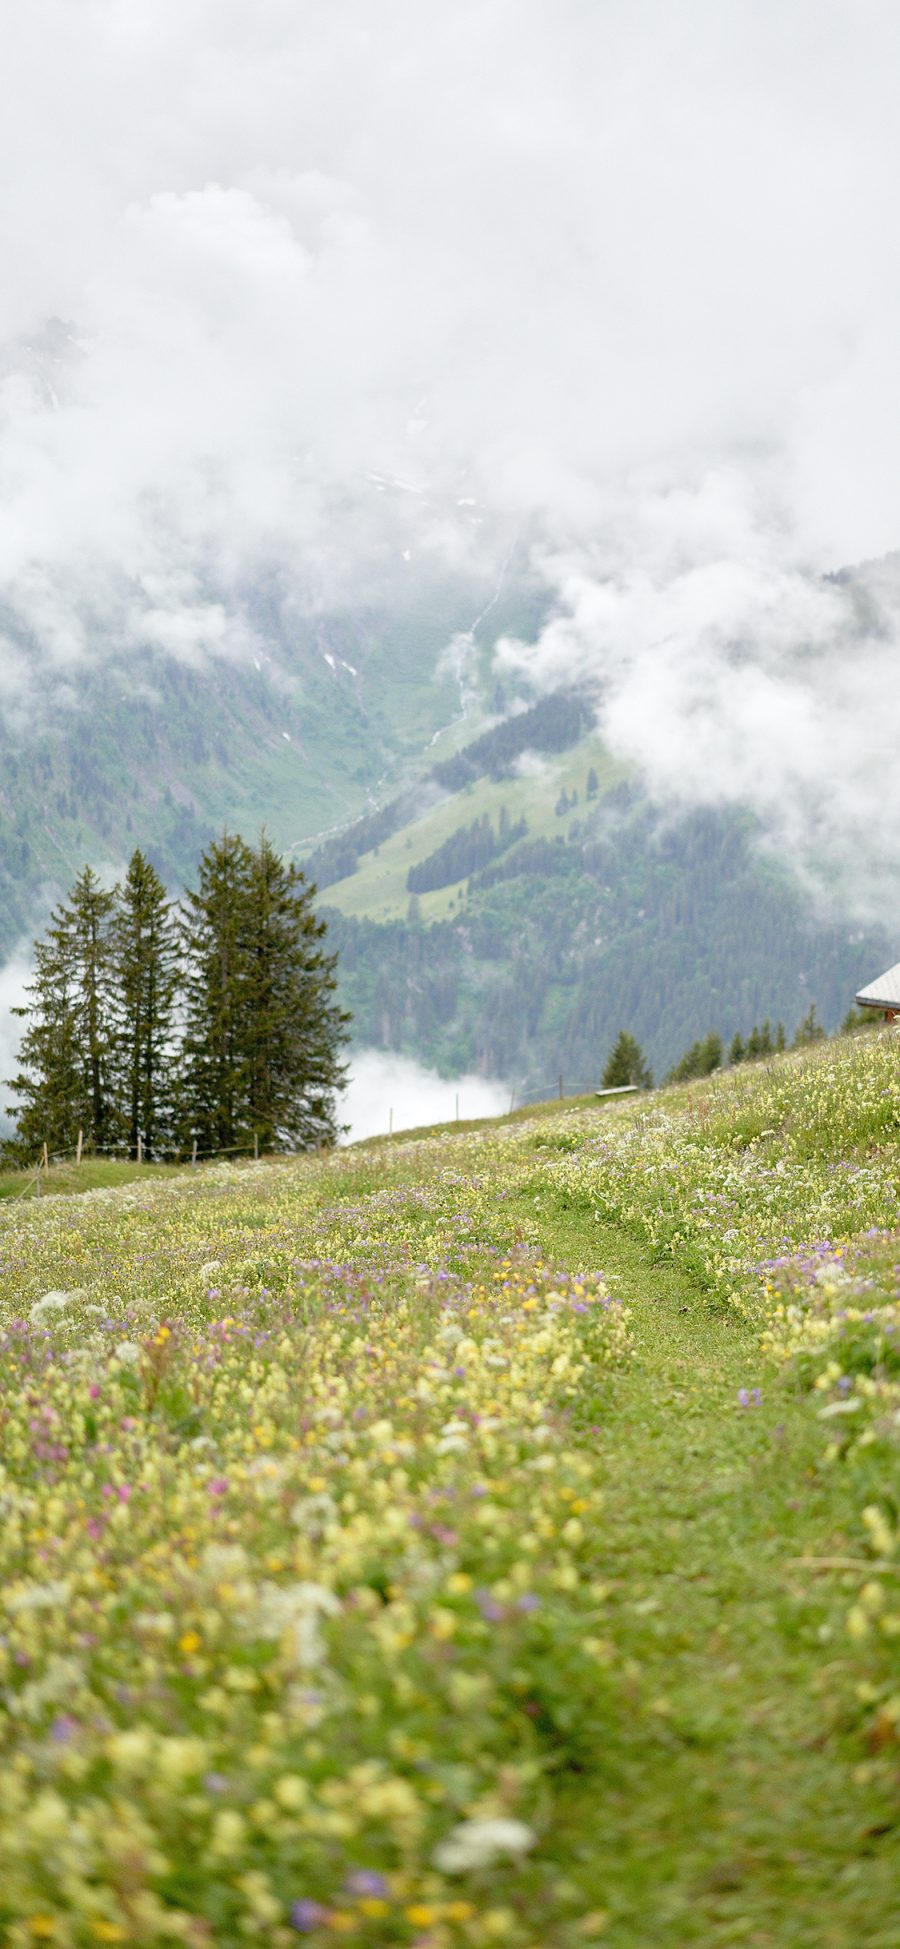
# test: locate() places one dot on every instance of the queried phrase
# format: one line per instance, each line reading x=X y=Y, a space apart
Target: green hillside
x=670 y=927
x=332 y=714
x=484 y=1538
x=571 y=907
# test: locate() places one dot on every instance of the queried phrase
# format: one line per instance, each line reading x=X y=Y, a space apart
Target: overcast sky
x=623 y=272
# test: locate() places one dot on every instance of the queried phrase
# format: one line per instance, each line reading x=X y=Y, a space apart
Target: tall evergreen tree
x=263 y=1032
x=626 y=1064
x=89 y=921
x=699 y=1060
x=145 y=947
x=214 y=1076
x=295 y=1028
x=810 y=1030
x=50 y=1084
x=66 y=1082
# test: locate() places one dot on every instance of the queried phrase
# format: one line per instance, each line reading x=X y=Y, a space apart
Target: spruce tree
x=263 y=1032
x=145 y=946
x=66 y=1081
x=89 y=923
x=810 y=1030
x=626 y=1065
x=214 y=1076
x=699 y=1060
x=295 y=1028
x=50 y=1084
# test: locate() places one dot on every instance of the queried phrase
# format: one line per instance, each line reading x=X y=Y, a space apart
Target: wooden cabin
x=883 y=994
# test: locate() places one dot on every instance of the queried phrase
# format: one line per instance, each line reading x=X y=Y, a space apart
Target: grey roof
x=883 y=993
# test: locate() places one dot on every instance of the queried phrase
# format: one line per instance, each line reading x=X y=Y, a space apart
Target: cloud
x=729 y=674
x=334 y=288
x=393 y=1091
x=14 y=978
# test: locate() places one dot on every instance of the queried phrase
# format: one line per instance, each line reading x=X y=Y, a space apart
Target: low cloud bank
x=14 y=977
x=382 y=1083
x=730 y=673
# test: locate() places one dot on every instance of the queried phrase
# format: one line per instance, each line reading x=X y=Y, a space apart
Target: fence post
x=46 y=1160
x=78 y=1146
x=390 y=1122
x=256 y=1143
x=194 y=1152
x=560 y=1087
x=140 y=1155
x=457 y=1109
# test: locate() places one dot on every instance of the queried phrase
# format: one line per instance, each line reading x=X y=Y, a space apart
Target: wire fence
x=546 y=1092
x=80 y=1154
x=121 y=1154
x=520 y=1098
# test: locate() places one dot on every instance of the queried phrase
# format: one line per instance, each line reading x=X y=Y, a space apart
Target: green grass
x=695 y=1708
x=92 y=1174
x=736 y=1804
x=377 y=890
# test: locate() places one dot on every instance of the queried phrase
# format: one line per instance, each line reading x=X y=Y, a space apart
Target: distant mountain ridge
x=370 y=743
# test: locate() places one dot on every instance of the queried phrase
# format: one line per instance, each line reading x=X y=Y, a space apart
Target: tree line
x=464 y=851
x=627 y=1065
x=156 y=1027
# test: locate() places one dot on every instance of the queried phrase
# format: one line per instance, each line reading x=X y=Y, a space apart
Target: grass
x=738 y=1805
x=355 y=1506
x=378 y=889
x=92 y=1174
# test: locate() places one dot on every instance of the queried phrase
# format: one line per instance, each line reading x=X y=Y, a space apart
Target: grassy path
x=735 y=1808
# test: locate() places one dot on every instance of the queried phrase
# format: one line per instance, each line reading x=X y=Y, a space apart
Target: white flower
x=55 y=1302
x=40 y=1597
x=478 y=1843
x=127 y=1352
x=221 y=1563
x=209 y=1270
x=292 y=1613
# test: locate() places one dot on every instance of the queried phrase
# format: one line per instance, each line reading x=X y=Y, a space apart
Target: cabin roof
x=883 y=993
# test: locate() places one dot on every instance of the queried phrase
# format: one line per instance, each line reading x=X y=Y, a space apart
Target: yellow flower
x=421 y=1915
x=189 y=1642
x=42 y=1926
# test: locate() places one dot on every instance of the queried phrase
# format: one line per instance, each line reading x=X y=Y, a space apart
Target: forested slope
x=669 y=928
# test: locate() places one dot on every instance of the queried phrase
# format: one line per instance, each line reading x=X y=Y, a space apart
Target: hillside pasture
x=488 y=1537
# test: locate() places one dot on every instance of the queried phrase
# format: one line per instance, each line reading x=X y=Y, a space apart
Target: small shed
x=883 y=994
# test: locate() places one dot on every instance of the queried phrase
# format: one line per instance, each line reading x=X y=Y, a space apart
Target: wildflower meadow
x=439 y=1542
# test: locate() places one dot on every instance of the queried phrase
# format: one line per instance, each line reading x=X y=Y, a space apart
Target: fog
x=386 y=1092
x=336 y=296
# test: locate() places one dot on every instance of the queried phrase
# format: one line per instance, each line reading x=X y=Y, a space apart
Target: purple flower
x=743 y=1397
x=365 y=1881
x=306 y=1916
